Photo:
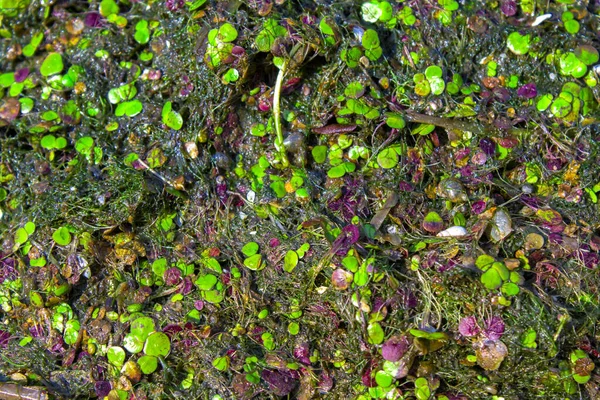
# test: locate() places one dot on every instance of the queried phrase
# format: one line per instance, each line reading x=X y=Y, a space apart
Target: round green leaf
x=587 y=54
x=319 y=153
x=116 y=356
x=148 y=364
x=337 y=172
x=387 y=158
x=53 y=64
x=433 y=71
x=370 y=40
x=227 y=33
x=250 y=249
x=290 y=261
x=133 y=343
x=509 y=289
x=71 y=331
x=383 y=379
x=395 y=120
x=157 y=344
x=142 y=327
x=293 y=328
x=491 y=279
x=62 y=236
x=129 y=108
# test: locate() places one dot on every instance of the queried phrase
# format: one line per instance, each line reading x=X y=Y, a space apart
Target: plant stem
x=277 y=117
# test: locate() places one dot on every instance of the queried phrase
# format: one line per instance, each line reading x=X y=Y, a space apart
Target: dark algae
x=265 y=199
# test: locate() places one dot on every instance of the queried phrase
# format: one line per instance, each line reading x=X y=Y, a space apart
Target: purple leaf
x=172 y=276
x=102 y=388
x=301 y=353
x=527 y=91
x=509 y=8
x=468 y=326
x=345 y=240
x=280 y=382
x=494 y=328
x=394 y=348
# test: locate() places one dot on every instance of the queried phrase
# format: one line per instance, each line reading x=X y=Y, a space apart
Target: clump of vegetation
x=212 y=199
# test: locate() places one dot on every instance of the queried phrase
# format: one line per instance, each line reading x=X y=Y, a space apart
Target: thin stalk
x=277 y=116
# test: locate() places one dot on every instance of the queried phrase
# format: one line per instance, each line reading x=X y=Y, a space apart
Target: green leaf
x=528 y=338
x=509 y=289
x=433 y=71
x=148 y=364
x=62 y=236
x=71 y=331
x=142 y=33
x=428 y=335
x=21 y=236
x=221 y=363
x=326 y=26
x=491 y=279
x=250 y=249
x=587 y=54
x=254 y=262
x=375 y=332
x=108 y=7
x=171 y=118
x=387 y=158
x=371 y=12
x=227 y=33
x=337 y=171
x=395 y=120
x=116 y=356
x=129 y=108
x=423 y=129
x=319 y=154
x=157 y=344
x=518 y=44
x=383 y=379
x=290 y=261
x=206 y=282
x=293 y=328
x=133 y=343
x=232 y=75
x=53 y=64
x=142 y=327
x=370 y=40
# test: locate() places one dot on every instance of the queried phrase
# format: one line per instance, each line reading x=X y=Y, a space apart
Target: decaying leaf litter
x=258 y=199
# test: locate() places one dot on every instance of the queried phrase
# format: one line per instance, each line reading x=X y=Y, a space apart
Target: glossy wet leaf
x=53 y=64
x=587 y=54
x=116 y=356
x=133 y=343
x=171 y=118
x=519 y=44
x=370 y=40
x=157 y=344
x=71 y=331
x=227 y=33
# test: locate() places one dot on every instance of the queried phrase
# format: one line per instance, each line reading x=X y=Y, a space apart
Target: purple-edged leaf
x=433 y=223
x=468 y=326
